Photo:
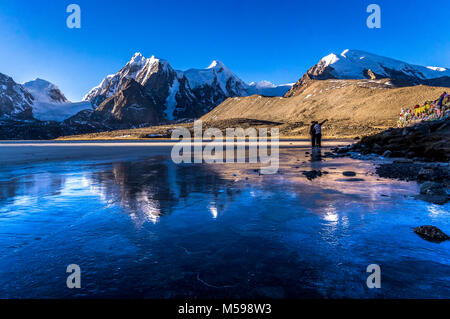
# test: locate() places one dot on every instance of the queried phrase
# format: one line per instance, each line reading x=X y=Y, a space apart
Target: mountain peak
x=45 y=91
x=216 y=64
x=178 y=94
x=329 y=59
x=262 y=84
x=137 y=58
x=356 y=64
x=140 y=60
x=39 y=80
x=138 y=55
x=39 y=83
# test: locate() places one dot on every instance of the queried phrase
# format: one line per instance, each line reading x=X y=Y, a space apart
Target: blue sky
x=275 y=40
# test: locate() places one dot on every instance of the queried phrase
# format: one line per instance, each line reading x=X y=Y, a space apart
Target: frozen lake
x=143 y=227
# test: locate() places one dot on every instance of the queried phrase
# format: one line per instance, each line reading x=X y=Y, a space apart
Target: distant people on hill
x=318 y=133
x=431 y=110
x=441 y=99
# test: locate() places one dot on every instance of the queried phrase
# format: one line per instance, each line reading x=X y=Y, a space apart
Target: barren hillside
x=354 y=107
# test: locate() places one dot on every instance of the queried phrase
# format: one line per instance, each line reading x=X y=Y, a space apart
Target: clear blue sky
x=275 y=40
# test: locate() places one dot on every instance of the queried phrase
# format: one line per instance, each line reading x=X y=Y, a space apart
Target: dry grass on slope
x=354 y=107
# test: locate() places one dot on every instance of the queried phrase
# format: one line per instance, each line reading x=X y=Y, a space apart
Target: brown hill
x=354 y=107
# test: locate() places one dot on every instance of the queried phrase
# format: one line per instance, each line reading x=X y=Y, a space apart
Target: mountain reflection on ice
x=148 y=190
x=153 y=229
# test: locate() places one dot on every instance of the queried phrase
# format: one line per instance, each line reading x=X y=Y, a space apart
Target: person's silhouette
x=313 y=133
x=318 y=133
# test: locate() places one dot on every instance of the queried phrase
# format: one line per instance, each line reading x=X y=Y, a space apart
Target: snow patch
x=436 y=68
x=58 y=111
x=330 y=59
x=171 y=102
x=216 y=64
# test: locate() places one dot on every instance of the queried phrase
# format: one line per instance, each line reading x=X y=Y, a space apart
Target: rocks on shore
x=436 y=173
x=434 y=178
x=431 y=233
x=349 y=174
x=432 y=188
x=414 y=171
x=388 y=153
x=417 y=147
x=428 y=141
x=433 y=192
x=310 y=175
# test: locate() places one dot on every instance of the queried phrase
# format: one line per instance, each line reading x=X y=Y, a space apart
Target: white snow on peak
x=344 y=53
x=46 y=107
x=216 y=64
x=138 y=55
x=436 y=68
x=329 y=59
x=137 y=67
x=267 y=88
x=216 y=75
x=44 y=91
x=262 y=84
x=147 y=69
x=353 y=64
x=97 y=89
x=39 y=84
x=217 y=71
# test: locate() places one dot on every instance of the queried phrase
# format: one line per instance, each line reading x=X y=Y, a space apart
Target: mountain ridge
x=148 y=91
x=357 y=64
x=15 y=100
x=181 y=94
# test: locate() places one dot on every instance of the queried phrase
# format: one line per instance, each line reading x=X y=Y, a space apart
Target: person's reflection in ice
x=316 y=155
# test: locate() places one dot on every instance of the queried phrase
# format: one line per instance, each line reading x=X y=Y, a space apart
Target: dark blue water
x=152 y=229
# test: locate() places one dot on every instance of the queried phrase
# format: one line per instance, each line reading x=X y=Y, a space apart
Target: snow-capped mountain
x=50 y=104
x=15 y=101
x=129 y=107
x=217 y=76
x=178 y=94
x=355 y=64
x=267 y=88
x=161 y=86
x=113 y=83
x=44 y=91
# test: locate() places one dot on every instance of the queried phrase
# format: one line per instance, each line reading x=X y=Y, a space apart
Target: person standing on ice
x=318 y=133
x=312 y=132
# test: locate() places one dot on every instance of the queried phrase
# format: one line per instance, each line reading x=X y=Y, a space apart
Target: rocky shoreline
x=426 y=141
x=419 y=153
x=423 y=154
